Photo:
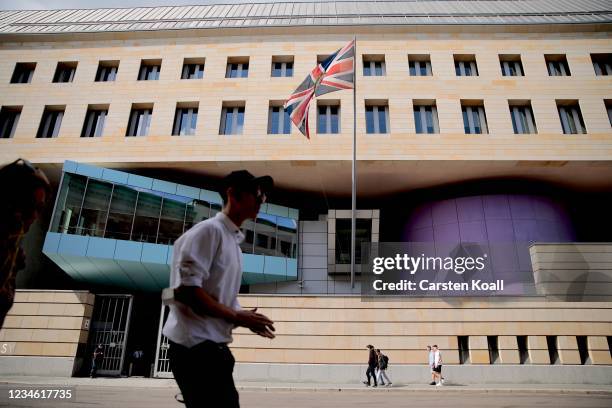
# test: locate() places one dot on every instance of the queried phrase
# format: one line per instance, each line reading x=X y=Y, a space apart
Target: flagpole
x=354 y=166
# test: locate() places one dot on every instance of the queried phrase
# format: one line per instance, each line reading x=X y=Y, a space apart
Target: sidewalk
x=139 y=382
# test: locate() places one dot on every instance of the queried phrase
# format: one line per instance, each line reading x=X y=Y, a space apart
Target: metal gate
x=109 y=327
x=162 y=362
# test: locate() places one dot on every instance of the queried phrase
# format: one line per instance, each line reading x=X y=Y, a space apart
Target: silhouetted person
x=26 y=190
x=96 y=360
x=206 y=275
x=372 y=365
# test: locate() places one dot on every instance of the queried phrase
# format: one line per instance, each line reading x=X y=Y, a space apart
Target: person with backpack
x=383 y=363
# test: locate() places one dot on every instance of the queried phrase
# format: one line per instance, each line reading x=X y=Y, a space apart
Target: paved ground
x=148 y=393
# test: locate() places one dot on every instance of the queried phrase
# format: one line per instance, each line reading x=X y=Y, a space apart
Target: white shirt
x=208 y=256
x=437 y=358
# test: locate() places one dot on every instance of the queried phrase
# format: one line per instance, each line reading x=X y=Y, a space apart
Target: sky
x=68 y=4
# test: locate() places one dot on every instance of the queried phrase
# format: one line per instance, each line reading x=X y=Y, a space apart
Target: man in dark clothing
x=96 y=361
x=372 y=364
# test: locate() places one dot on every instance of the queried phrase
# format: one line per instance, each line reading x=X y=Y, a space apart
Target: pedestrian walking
x=96 y=360
x=439 y=380
x=383 y=364
x=204 y=283
x=372 y=365
x=430 y=359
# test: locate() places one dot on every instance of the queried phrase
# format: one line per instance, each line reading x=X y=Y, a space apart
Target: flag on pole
x=333 y=74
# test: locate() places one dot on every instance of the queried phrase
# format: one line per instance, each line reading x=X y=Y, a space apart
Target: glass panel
x=245 y=70
x=289 y=69
x=147 y=218
x=369 y=119
x=276 y=69
x=382 y=119
x=378 y=67
x=265 y=235
x=363 y=233
x=275 y=120
x=248 y=229
x=287 y=237
x=411 y=68
x=335 y=123
x=95 y=207
x=229 y=118
x=287 y=124
x=417 y=120
x=429 y=119
x=322 y=120
x=240 y=121
x=121 y=213
x=366 y=68
x=196 y=211
x=171 y=222
x=69 y=204
x=466 y=123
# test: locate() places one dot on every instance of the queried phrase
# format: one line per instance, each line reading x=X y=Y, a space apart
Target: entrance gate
x=109 y=327
x=162 y=362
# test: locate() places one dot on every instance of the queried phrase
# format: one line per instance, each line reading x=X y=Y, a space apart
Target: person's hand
x=256 y=322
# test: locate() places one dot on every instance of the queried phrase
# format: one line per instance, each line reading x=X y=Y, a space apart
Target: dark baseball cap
x=245 y=181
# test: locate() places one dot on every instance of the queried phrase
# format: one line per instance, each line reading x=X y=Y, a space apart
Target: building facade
x=476 y=122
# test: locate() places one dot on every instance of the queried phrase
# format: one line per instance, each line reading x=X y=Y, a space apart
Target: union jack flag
x=333 y=74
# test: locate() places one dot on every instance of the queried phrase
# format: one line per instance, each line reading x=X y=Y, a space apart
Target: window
x=571 y=117
x=474 y=118
x=522 y=117
x=425 y=117
x=557 y=65
x=464 y=349
x=237 y=67
x=465 y=65
x=583 y=350
x=50 y=122
x=419 y=65
x=193 y=68
x=107 y=71
x=492 y=345
x=511 y=65
x=94 y=122
x=523 y=349
x=140 y=120
x=185 y=119
x=602 y=64
x=608 y=103
x=65 y=72
x=363 y=233
x=9 y=117
x=328 y=117
x=149 y=70
x=282 y=66
x=553 y=353
x=374 y=65
x=23 y=73
x=279 y=121
x=232 y=120
x=377 y=118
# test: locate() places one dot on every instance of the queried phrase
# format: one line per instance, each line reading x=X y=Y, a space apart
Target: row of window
x=523 y=349
x=282 y=66
x=328 y=118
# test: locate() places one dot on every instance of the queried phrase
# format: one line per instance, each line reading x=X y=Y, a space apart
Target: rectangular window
x=511 y=65
x=571 y=117
x=474 y=118
x=608 y=103
x=282 y=66
x=583 y=350
x=553 y=352
x=65 y=72
x=94 y=122
x=279 y=121
x=185 y=120
x=363 y=233
x=232 y=120
x=9 y=117
x=464 y=349
x=149 y=70
x=377 y=118
x=107 y=71
x=465 y=65
x=237 y=67
x=426 y=118
x=523 y=349
x=419 y=65
x=140 y=121
x=328 y=118
x=557 y=65
x=602 y=64
x=23 y=73
x=493 y=347
x=522 y=118
x=374 y=65
x=50 y=122
x=193 y=68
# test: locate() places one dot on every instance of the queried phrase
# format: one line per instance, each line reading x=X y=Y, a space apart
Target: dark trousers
x=371 y=371
x=204 y=374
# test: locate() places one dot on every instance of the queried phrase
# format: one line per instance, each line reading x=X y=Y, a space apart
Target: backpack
x=385 y=362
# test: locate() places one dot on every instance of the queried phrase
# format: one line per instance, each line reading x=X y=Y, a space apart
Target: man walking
x=372 y=365
x=437 y=366
x=204 y=284
x=430 y=358
x=381 y=373
x=96 y=361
